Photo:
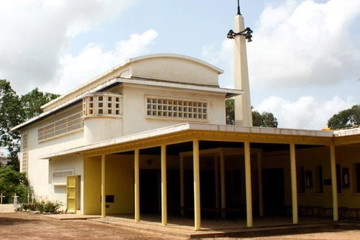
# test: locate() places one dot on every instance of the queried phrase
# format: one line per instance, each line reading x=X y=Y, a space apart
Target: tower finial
x=238 y=8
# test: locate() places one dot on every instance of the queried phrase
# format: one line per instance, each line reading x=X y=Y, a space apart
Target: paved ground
x=36 y=226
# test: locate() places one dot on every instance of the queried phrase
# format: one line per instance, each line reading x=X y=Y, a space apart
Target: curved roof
x=172 y=55
x=106 y=75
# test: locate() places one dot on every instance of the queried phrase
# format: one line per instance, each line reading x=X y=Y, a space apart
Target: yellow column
x=334 y=183
x=216 y=173
x=222 y=182
x=182 y=195
x=293 y=184
x=261 y=198
x=137 y=184
x=163 y=186
x=249 y=217
x=103 y=193
x=196 y=162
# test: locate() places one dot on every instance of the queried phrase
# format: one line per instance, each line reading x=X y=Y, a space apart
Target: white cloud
x=305 y=43
x=298 y=43
x=93 y=60
x=304 y=113
x=36 y=33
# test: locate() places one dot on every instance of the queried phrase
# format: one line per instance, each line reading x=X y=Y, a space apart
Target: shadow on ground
x=15 y=221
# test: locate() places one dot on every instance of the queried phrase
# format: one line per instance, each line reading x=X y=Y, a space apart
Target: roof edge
x=173 y=55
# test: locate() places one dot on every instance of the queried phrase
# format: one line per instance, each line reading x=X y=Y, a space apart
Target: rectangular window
x=25 y=152
x=176 y=108
x=103 y=104
x=60 y=176
x=62 y=126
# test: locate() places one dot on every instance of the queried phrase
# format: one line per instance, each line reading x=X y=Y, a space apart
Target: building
x=149 y=136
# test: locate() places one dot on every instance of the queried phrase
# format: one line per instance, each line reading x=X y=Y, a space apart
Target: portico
x=214 y=153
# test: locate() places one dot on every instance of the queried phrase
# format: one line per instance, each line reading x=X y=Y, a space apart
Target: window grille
x=60 y=176
x=60 y=127
x=25 y=152
x=176 y=108
x=102 y=104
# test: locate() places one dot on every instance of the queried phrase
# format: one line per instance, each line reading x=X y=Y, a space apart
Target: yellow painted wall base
x=119 y=184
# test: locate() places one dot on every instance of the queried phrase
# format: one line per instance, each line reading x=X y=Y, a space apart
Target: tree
x=15 y=110
x=264 y=119
x=348 y=118
x=32 y=102
x=12 y=182
x=11 y=114
x=230 y=112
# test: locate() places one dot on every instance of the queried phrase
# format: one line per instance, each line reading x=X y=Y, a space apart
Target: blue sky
x=303 y=62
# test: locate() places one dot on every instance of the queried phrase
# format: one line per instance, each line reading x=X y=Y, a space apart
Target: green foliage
x=32 y=102
x=42 y=207
x=348 y=118
x=15 y=110
x=264 y=119
x=11 y=114
x=230 y=112
x=13 y=182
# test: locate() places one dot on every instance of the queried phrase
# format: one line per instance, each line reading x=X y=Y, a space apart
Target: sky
x=304 y=60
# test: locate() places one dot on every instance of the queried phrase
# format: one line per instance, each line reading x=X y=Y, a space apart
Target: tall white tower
x=243 y=115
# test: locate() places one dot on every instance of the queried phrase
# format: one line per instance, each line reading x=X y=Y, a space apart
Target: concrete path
x=73 y=216
x=215 y=228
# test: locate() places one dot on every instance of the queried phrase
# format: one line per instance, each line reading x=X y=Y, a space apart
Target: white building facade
x=143 y=94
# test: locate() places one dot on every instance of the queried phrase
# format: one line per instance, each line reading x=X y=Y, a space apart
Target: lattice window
x=59 y=176
x=102 y=104
x=60 y=127
x=25 y=152
x=176 y=108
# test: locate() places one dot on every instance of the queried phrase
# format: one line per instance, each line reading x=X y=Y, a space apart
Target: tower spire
x=243 y=114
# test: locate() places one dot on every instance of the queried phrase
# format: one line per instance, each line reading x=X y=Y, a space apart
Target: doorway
x=273 y=191
x=150 y=191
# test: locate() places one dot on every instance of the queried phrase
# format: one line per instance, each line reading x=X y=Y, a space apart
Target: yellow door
x=72 y=194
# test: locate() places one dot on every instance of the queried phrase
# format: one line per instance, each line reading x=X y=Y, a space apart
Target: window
x=176 y=108
x=106 y=104
x=25 y=152
x=60 y=127
x=60 y=176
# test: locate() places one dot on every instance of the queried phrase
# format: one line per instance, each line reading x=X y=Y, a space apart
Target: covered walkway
x=182 y=147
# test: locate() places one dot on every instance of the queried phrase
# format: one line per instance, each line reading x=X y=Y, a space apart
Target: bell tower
x=243 y=114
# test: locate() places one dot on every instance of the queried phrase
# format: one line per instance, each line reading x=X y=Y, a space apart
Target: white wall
x=135 y=120
x=38 y=168
x=74 y=162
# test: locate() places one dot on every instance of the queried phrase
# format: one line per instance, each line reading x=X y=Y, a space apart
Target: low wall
x=6 y=208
